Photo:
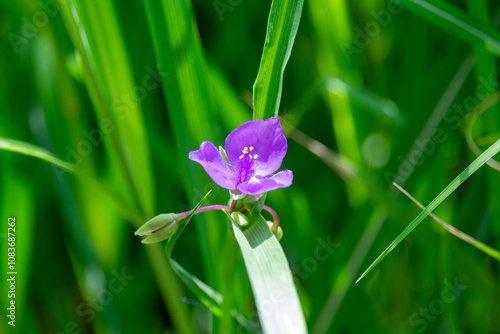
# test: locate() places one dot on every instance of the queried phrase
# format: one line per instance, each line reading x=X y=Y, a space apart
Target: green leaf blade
x=109 y=78
x=271 y=279
x=179 y=53
x=25 y=148
x=456 y=22
x=282 y=28
x=471 y=169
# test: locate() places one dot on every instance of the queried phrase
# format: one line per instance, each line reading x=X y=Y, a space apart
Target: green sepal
x=254 y=204
x=222 y=152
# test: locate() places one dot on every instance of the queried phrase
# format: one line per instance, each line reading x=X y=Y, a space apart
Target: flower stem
x=205 y=209
x=276 y=219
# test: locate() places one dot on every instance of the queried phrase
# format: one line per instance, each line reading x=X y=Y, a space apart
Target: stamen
x=245 y=169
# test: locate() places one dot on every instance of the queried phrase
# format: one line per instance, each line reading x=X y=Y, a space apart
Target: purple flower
x=255 y=150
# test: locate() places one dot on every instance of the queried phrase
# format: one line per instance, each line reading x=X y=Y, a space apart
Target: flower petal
x=209 y=157
x=258 y=185
x=262 y=138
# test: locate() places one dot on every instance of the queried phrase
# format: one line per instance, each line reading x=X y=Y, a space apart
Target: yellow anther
x=255 y=156
x=245 y=150
x=241 y=156
x=251 y=148
x=250 y=156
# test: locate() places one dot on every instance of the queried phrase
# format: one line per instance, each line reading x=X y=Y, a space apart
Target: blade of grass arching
x=456 y=22
x=333 y=27
x=18 y=146
x=21 y=147
x=276 y=299
x=456 y=232
x=212 y=299
x=179 y=53
x=478 y=162
x=282 y=27
x=209 y=297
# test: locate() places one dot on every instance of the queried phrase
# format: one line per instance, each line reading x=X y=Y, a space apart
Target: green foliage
x=471 y=169
x=282 y=26
x=271 y=279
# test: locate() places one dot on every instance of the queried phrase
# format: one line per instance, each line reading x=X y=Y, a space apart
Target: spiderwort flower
x=254 y=151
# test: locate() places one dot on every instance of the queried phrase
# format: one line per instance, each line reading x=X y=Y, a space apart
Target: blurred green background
x=374 y=91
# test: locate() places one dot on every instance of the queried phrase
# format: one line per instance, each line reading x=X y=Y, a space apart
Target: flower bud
x=279 y=233
x=239 y=219
x=158 y=228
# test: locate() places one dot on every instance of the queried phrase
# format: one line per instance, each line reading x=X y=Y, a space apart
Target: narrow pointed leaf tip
x=252 y=152
x=467 y=172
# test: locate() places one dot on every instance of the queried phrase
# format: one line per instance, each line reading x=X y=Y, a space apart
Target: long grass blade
x=456 y=22
x=276 y=299
x=473 y=167
x=95 y=30
x=25 y=148
x=453 y=230
x=282 y=27
x=179 y=53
